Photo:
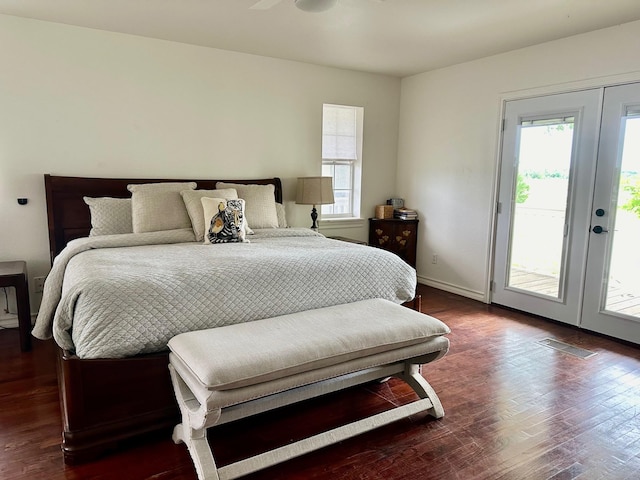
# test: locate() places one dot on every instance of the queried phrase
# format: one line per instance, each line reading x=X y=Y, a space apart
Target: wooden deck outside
x=618 y=300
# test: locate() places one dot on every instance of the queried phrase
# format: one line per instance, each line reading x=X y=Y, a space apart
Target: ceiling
x=393 y=37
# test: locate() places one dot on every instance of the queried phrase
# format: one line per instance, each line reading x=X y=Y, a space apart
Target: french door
x=568 y=231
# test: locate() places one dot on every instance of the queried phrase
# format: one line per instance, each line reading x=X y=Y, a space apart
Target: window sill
x=339 y=223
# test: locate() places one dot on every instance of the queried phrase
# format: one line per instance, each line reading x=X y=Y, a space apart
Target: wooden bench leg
x=414 y=378
x=199 y=449
x=193 y=415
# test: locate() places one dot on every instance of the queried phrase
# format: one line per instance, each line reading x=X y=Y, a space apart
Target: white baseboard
x=8 y=320
x=448 y=287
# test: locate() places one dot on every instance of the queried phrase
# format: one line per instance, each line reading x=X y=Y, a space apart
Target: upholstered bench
x=226 y=373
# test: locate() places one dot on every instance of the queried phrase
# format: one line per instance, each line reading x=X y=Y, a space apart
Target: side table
x=397 y=236
x=14 y=274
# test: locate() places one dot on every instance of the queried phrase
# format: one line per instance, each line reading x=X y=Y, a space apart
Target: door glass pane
x=623 y=288
x=540 y=202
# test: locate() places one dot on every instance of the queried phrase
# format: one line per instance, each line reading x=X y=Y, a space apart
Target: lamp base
x=314 y=218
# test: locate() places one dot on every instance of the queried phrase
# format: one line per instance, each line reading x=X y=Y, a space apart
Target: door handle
x=599 y=229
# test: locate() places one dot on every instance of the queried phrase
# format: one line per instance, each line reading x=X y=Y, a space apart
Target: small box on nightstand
x=384 y=212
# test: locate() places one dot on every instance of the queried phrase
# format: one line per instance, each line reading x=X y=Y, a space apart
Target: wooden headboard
x=69 y=216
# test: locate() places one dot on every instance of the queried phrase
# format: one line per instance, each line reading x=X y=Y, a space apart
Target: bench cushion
x=249 y=353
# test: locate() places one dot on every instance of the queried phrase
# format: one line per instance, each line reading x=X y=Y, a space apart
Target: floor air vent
x=566 y=348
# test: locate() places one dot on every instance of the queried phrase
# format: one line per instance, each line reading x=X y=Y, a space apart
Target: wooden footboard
x=106 y=401
x=415 y=303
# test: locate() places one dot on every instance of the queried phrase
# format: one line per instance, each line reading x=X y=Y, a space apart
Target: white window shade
x=339 y=136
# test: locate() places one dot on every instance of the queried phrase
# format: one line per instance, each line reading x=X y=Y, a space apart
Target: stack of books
x=405 y=214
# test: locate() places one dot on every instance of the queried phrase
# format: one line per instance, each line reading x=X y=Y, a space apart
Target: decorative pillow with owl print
x=224 y=220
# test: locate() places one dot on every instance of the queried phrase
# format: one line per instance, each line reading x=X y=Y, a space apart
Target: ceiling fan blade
x=264 y=4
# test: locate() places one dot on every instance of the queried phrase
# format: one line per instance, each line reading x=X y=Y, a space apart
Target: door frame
x=503 y=98
x=585 y=105
x=596 y=317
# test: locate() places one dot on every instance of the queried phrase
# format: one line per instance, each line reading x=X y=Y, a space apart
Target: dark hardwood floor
x=515 y=409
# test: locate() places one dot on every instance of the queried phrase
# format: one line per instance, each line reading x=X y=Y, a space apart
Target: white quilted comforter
x=122 y=295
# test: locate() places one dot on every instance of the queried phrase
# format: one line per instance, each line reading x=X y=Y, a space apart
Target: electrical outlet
x=434 y=258
x=38 y=284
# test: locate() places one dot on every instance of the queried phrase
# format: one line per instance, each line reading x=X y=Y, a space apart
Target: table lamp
x=314 y=191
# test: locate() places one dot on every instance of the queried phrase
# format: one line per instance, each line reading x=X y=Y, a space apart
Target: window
x=342 y=158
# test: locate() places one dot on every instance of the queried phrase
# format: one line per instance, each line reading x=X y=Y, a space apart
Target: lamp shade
x=315 y=191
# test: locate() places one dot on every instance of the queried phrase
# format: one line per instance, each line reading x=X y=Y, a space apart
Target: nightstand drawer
x=397 y=236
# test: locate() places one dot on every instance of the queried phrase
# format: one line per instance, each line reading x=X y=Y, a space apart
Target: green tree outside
x=522 y=190
x=633 y=204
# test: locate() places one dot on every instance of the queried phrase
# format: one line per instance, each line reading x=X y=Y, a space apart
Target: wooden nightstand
x=14 y=274
x=397 y=236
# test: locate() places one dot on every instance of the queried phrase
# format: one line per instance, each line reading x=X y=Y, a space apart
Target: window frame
x=355 y=170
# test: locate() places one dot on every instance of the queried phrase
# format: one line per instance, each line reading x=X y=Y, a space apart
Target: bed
x=121 y=388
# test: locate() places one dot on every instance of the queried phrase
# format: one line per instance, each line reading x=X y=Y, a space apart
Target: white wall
x=448 y=141
x=83 y=102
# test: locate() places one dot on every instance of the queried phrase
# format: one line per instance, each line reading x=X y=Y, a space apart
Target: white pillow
x=223 y=220
x=109 y=216
x=282 y=216
x=159 y=206
x=193 y=204
x=260 y=203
